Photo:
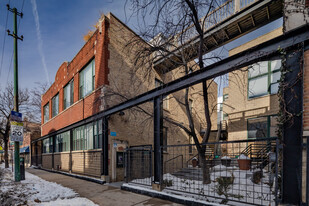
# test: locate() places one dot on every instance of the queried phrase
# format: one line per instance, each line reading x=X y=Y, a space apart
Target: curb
x=74 y=175
x=164 y=197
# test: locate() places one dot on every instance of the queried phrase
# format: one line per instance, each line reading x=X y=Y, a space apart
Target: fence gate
x=138 y=164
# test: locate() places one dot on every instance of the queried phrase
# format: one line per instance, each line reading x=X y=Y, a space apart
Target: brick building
x=250 y=99
x=101 y=75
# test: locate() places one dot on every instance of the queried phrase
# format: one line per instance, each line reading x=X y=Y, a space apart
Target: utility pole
x=16 y=109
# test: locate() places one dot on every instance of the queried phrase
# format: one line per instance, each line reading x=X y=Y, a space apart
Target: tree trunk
x=205 y=169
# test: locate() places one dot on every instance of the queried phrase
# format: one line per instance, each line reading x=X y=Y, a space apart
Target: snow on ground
x=242 y=189
x=36 y=191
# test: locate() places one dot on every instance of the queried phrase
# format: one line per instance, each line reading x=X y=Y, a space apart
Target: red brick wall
x=306 y=91
x=96 y=47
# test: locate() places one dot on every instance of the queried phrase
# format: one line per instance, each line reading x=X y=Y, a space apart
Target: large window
x=88 y=136
x=159 y=83
x=68 y=94
x=262 y=127
x=46 y=112
x=55 y=105
x=86 y=80
x=63 y=142
x=263 y=78
x=48 y=145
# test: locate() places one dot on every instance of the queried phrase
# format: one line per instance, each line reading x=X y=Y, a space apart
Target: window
x=225 y=97
x=165 y=139
x=262 y=127
x=86 y=80
x=63 y=142
x=88 y=136
x=55 y=105
x=68 y=94
x=48 y=145
x=97 y=134
x=159 y=83
x=263 y=78
x=46 y=112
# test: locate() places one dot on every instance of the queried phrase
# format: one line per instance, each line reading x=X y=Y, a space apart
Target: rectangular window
x=48 y=145
x=165 y=139
x=88 y=136
x=159 y=83
x=262 y=127
x=46 y=112
x=97 y=134
x=55 y=105
x=263 y=78
x=68 y=94
x=86 y=80
x=78 y=136
x=63 y=142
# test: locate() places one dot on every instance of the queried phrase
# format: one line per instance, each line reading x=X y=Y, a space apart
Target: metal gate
x=138 y=164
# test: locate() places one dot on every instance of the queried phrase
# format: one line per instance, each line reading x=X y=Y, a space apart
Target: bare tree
x=6 y=106
x=36 y=93
x=170 y=28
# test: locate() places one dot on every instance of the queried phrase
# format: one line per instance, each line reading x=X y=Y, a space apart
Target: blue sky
x=62 y=24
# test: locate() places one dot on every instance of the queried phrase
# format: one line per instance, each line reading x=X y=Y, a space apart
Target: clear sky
x=53 y=33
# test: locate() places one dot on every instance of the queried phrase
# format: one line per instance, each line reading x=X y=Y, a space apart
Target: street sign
x=113 y=134
x=17 y=131
x=16 y=116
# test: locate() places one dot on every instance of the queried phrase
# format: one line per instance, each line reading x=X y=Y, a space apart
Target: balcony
x=224 y=24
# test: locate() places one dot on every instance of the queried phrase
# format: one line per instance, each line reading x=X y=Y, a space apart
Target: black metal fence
x=138 y=163
x=231 y=172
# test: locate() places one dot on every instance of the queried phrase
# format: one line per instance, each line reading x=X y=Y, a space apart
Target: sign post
x=17 y=132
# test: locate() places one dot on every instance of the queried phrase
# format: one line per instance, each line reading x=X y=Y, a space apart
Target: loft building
x=100 y=76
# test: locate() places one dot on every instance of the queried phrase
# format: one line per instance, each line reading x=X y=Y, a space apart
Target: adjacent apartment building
x=101 y=75
x=250 y=101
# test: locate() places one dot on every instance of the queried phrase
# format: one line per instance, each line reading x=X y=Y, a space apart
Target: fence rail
x=225 y=176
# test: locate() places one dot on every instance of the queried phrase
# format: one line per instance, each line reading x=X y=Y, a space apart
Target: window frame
x=56 y=97
x=71 y=90
x=268 y=74
x=82 y=79
x=44 y=113
x=268 y=122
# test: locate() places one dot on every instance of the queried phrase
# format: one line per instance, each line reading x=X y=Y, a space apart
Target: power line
x=11 y=61
x=4 y=38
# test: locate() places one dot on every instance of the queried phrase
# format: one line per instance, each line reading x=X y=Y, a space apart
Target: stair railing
x=169 y=160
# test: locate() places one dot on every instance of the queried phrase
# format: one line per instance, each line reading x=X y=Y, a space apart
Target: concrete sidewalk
x=99 y=194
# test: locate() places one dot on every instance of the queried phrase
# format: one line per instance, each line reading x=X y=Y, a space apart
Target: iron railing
x=138 y=165
x=229 y=181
